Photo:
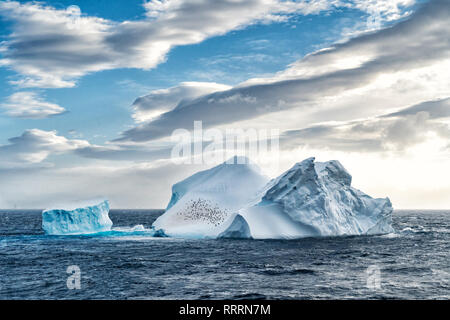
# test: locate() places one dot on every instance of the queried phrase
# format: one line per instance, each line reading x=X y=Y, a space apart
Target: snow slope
x=202 y=205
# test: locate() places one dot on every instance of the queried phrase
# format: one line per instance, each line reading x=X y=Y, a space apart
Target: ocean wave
x=289 y=271
x=391 y=235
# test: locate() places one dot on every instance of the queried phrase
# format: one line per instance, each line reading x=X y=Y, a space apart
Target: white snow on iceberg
x=315 y=199
x=202 y=205
x=310 y=199
x=92 y=218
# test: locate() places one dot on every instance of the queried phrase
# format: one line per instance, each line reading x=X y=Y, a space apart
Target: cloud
x=386 y=9
x=4 y=204
x=405 y=52
x=34 y=146
x=160 y=101
x=29 y=105
x=390 y=133
x=142 y=185
x=50 y=47
x=369 y=101
x=125 y=152
x=435 y=109
x=53 y=48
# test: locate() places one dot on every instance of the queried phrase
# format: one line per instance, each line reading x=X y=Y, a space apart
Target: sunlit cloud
x=30 y=105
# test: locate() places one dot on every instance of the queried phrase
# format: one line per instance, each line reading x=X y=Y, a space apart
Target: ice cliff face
x=201 y=205
x=89 y=219
x=316 y=199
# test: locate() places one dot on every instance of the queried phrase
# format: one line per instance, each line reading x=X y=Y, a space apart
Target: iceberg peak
x=335 y=171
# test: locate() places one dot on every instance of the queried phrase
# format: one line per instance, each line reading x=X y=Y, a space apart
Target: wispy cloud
x=390 y=133
x=386 y=9
x=34 y=146
x=408 y=50
x=52 y=48
x=160 y=101
x=30 y=105
x=139 y=185
x=436 y=109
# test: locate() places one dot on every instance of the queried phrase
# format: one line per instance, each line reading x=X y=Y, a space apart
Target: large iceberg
x=91 y=218
x=202 y=205
x=310 y=199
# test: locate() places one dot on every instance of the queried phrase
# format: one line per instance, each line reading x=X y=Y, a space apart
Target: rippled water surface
x=413 y=263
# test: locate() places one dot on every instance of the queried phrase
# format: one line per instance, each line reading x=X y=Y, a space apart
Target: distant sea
x=413 y=263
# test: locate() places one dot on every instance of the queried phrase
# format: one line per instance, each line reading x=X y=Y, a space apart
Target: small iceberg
x=87 y=219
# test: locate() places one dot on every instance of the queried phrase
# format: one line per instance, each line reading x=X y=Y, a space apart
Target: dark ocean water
x=413 y=263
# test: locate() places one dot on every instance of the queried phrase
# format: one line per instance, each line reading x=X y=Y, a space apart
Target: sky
x=91 y=93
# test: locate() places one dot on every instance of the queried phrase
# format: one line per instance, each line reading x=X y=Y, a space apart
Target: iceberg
x=92 y=218
x=201 y=206
x=311 y=199
x=314 y=199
